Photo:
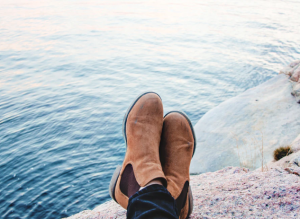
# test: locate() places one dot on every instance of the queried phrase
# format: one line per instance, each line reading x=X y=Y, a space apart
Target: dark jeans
x=154 y=201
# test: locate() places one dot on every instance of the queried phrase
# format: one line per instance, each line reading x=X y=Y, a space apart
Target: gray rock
x=243 y=131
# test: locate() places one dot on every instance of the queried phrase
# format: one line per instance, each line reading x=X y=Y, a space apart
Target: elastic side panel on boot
x=180 y=201
x=128 y=184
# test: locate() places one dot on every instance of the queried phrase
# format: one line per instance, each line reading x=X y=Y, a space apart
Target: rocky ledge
x=234 y=192
x=271 y=191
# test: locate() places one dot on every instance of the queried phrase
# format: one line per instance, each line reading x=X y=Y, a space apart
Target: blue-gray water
x=70 y=68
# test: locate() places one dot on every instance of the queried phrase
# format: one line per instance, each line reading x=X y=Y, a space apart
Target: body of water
x=70 y=68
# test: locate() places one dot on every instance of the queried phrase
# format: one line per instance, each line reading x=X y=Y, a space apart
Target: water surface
x=69 y=70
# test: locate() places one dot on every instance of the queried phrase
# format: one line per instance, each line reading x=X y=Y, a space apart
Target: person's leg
x=153 y=201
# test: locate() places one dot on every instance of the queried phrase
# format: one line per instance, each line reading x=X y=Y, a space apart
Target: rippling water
x=69 y=69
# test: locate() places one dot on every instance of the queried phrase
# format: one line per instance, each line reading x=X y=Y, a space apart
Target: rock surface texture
x=245 y=130
x=232 y=192
x=293 y=72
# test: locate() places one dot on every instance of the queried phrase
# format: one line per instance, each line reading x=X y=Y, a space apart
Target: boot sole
x=113 y=182
x=117 y=171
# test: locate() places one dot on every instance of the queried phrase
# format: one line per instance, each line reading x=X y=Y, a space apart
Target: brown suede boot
x=142 y=128
x=176 y=151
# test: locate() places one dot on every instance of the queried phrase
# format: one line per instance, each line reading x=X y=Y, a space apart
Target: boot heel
x=113 y=182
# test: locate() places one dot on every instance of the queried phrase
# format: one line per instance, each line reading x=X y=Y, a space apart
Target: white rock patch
x=245 y=130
